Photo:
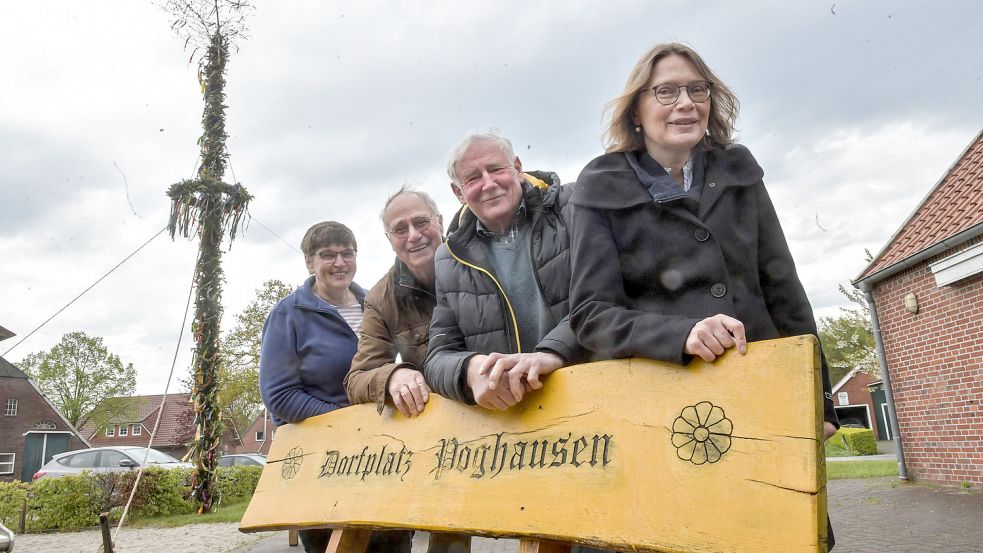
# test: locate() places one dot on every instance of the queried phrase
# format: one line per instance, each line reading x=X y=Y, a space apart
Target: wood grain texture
x=603 y=455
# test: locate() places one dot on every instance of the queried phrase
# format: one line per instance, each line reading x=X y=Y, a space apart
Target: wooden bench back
x=626 y=454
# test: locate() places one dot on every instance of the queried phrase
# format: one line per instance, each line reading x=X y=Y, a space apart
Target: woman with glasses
x=676 y=250
x=309 y=340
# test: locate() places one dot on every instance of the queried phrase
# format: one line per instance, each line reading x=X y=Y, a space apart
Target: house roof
x=4 y=334
x=173 y=423
x=954 y=205
x=8 y=370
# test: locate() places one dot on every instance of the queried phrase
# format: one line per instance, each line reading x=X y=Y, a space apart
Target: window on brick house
x=260 y=435
x=10 y=410
x=135 y=429
x=110 y=431
x=7 y=463
x=122 y=430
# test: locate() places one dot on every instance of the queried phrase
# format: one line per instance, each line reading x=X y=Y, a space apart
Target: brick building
x=258 y=437
x=859 y=399
x=31 y=429
x=173 y=436
x=926 y=289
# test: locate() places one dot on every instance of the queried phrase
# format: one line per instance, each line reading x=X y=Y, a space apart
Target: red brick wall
x=856 y=389
x=31 y=409
x=935 y=360
x=249 y=443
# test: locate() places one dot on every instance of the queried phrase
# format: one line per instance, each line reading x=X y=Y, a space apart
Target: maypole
x=208 y=207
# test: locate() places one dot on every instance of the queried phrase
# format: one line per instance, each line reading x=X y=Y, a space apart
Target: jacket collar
x=609 y=182
x=405 y=279
x=306 y=299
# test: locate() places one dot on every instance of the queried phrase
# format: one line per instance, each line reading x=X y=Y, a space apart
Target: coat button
x=718 y=290
x=712 y=184
x=701 y=234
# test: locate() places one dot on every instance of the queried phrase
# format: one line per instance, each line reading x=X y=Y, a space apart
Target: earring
x=638 y=128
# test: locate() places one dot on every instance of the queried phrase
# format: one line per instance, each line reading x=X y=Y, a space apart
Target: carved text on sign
x=482 y=457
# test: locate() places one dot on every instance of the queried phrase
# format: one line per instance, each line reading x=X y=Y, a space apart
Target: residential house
x=258 y=437
x=926 y=293
x=859 y=400
x=32 y=430
x=135 y=427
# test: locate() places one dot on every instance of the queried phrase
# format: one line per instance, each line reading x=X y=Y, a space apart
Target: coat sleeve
x=447 y=358
x=280 y=383
x=562 y=340
x=375 y=360
x=599 y=313
x=788 y=304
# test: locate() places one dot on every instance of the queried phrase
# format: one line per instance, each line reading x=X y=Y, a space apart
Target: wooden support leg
x=292 y=538
x=348 y=540
x=543 y=546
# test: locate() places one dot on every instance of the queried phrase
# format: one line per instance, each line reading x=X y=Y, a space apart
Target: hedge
x=858 y=441
x=73 y=502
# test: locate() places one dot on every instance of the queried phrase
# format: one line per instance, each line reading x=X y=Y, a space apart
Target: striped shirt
x=352 y=315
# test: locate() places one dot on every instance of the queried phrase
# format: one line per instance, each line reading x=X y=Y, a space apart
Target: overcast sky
x=854 y=109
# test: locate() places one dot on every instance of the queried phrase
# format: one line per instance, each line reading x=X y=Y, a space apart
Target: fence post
x=22 y=527
x=107 y=542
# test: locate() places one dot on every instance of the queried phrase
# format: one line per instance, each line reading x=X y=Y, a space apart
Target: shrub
x=858 y=441
x=237 y=483
x=12 y=495
x=162 y=492
x=65 y=503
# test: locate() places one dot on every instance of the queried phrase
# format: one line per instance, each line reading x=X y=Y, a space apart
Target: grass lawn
x=223 y=513
x=860 y=469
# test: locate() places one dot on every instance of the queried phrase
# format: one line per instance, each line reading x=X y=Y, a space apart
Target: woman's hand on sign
x=712 y=336
x=409 y=391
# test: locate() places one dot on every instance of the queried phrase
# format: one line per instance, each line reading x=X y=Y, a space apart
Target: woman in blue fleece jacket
x=309 y=340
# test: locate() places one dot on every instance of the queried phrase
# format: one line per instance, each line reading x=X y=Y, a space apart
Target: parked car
x=105 y=459
x=6 y=539
x=242 y=460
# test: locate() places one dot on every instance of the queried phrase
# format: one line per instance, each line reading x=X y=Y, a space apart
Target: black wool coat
x=644 y=272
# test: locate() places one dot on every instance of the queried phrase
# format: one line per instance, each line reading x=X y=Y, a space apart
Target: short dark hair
x=325 y=234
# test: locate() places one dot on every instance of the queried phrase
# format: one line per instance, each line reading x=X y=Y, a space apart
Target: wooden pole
x=23 y=518
x=107 y=542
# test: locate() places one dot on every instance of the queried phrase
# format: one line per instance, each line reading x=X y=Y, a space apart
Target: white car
x=242 y=460
x=105 y=459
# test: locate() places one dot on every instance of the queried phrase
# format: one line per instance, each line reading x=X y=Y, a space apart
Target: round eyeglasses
x=668 y=93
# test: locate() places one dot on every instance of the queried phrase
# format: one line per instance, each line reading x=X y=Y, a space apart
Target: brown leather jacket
x=396 y=320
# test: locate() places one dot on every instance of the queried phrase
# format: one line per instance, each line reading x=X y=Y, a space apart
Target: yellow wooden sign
x=626 y=454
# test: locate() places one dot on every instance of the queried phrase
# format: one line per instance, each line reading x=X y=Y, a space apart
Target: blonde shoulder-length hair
x=620 y=135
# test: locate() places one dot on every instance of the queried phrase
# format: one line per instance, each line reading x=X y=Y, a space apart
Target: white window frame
x=10 y=409
x=12 y=462
x=135 y=429
x=110 y=430
x=123 y=431
x=260 y=436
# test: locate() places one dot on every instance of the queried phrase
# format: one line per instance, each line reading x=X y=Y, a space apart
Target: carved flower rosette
x=291 y=464
x=702 y=433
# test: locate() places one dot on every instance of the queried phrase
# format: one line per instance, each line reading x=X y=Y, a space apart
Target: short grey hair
x=491 y=137
x=408 y=188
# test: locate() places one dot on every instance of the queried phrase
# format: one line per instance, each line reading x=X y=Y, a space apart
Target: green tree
x=238 y=376
x=79 y=374
x=848 y=340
